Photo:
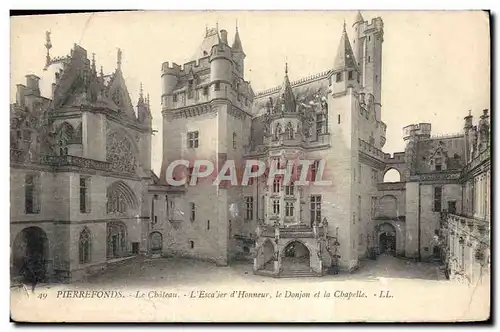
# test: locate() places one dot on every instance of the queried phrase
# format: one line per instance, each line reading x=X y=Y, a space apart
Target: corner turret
x=170 y=78
x=221 y=70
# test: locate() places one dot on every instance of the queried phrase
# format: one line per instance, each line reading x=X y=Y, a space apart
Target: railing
x=59 y=161
x=370 y=150
x=391 y=186
x=437 y=176
x=291 y=231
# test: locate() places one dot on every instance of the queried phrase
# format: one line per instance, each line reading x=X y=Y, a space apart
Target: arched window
x=84 y=246
x=392 y=175
x=289 y=131
x=277 y=131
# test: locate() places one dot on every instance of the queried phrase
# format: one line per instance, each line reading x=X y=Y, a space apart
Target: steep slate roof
x=345 y=56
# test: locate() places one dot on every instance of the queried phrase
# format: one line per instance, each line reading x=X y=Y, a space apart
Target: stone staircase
x=298 y=273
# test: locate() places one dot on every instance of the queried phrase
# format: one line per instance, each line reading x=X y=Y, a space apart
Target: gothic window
x=84 y=194
x=289 y=189
x=320 y=124
x=276 y=206
x=289 y=131
x=277 y=132
x=438 y=164
x=120 y=153
x=84 y=246
x=190 y=89
x=315 y=208
x=437 y=199
x=350 y=75
x=249 y=208
x=32 y=193
x=205 y=91
x=120 y=198
x=193 y=139
x=174 y=98
x=289 y=209
x=276 y=185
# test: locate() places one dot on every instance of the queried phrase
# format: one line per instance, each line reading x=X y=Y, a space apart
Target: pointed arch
x=120 y=198
x=121 y=151
x=84 y=246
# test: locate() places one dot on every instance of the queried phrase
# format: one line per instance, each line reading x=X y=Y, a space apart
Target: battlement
x=421 y=129
x=376 y=24
x=177 y=70
x=298 y=82
x=396 y=158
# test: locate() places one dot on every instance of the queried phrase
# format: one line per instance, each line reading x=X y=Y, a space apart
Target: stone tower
x=368 y=39
x=206 y=116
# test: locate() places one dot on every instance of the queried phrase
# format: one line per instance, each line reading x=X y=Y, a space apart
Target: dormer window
x=338 y=77
x=438 y=164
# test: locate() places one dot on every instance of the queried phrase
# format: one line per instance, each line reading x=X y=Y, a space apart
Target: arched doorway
x=387 y=243
x=268 y=255
x=296 y=257
x=30 y=255
x=156 y=240
x=116 y=240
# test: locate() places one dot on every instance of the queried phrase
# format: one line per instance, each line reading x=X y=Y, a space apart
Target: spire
x=147 y=99
x=102 y=72
x=93 y=63
x=286 y=95
x=345 y=55
x=141 y=95
x=359 y=18
x=237 y=47
x=119 y=59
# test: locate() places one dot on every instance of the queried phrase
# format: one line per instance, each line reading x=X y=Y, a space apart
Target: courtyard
x=174 y=272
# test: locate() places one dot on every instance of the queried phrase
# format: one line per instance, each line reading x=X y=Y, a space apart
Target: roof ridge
x=294 y=83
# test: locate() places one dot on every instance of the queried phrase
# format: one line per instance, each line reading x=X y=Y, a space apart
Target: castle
x=210 y=112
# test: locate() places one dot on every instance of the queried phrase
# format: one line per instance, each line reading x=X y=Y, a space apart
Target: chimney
x=32 y=83
x=223 y=36
x=21 y=92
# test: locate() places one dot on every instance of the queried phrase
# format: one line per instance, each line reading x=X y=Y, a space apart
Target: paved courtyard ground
x=185 y=272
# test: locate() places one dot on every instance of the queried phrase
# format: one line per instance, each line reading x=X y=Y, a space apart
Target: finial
x=286 y=68
x=147 y=99
x=119 y=59
x=206 y=29
x=141 y=94
x=102 y=72
x=93 y=61
x=236 y=24
x=344 y=26
x=470 y=112
x=48 y=46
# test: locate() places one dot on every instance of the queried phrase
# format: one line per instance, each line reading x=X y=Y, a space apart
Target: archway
x=116 y=240
x=30 y=254
x=268 y=255
x=392 y=175
x=156 y=240
x=387 y=239
x=296 y=257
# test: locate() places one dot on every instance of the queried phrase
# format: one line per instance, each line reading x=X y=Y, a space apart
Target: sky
x=436 y=65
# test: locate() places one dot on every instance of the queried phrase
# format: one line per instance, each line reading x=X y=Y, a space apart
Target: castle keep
x=86 y=149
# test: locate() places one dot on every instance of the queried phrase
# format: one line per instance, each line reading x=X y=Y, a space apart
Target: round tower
x=221 y=70
x=169 y=79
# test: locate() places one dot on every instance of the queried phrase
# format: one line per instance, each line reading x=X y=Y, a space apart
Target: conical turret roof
x=345 y=55
x=286 y=94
